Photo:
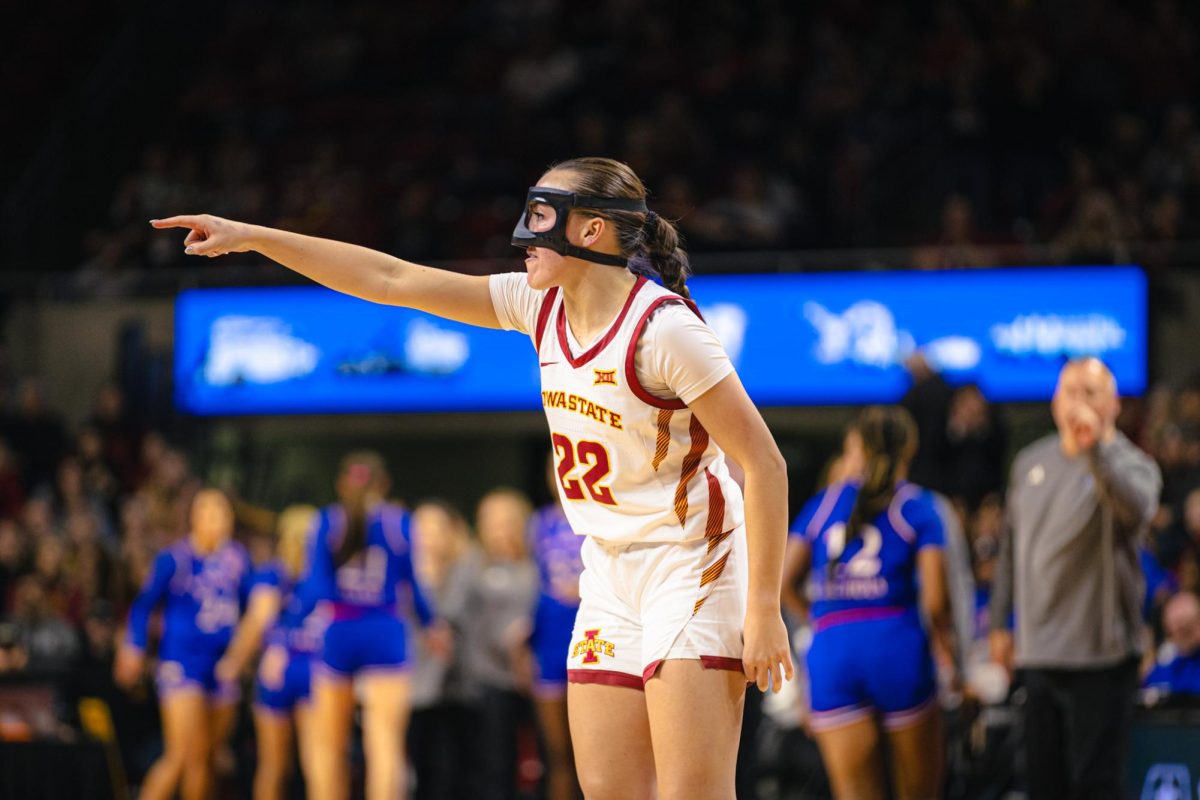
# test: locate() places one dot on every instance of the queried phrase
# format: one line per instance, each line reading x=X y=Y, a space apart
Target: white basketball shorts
x=644 y=603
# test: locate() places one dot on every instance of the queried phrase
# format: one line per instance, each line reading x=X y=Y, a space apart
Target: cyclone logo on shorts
x=591 y=647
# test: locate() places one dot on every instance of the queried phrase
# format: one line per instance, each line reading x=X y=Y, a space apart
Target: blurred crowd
x=969 y=131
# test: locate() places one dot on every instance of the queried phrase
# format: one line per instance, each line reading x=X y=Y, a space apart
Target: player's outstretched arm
x=730 y=417
x=347 y=268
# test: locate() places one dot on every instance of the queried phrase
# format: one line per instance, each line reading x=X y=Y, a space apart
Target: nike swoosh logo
x=547 y=363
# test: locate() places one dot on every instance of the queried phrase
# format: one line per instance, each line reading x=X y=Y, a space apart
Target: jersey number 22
x=588 y=454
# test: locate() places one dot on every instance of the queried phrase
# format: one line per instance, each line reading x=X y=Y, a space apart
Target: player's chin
x=537 y=276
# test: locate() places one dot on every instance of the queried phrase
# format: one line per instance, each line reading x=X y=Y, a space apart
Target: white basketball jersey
x=631 y=466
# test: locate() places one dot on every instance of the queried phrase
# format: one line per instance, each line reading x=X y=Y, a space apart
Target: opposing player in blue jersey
x=280 y=614
x=359 y=557
x=875 y=551
x=202 y=583
x=556 y=551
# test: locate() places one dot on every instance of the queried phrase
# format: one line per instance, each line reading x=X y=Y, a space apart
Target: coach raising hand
x=1079 y=503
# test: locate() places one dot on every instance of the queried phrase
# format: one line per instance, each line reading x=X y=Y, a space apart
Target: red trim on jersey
x=631 y=374
x=544 y=317
x=722 y=662
x=650 y=669
x=606 y=677
x=716 y=507
x=594 y=350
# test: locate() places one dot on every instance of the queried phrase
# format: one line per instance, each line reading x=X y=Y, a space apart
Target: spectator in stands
x=47 y=639
x=13 y=559
x=36 y=434
x=975 y=447
x=1093 y=235
x=167 y=493
x=38 y=519
x=755 y=212
x=1079 y=504
x=99 y=479
x=959 y=244
x=1179 y=674
x=12 y=484
x=69 y=496
x=118 y=434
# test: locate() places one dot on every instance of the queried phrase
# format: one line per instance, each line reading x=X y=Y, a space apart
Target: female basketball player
x=871 y=543
x=360 y=554
x=280 y=613
x=202 y=583
x=643 y=404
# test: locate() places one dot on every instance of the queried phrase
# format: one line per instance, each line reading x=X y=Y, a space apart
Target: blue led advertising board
x=798 y=339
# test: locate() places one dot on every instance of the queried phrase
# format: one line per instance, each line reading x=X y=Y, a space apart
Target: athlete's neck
x=594 y=299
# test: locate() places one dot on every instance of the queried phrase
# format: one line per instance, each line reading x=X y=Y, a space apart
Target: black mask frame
x=556 y=237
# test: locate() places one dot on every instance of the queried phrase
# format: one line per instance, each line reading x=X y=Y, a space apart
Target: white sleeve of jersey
x=679 y=356
x=515 y=303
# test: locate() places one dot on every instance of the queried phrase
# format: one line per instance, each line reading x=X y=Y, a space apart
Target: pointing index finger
x=183 y=221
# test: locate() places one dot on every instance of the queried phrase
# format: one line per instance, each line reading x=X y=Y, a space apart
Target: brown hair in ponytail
x=652 y=244
x=361 y=483
x=889 y=437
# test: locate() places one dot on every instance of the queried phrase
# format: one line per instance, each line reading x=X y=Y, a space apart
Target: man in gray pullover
x=1079 y=503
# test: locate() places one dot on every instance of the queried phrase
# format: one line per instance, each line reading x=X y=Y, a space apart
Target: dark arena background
x=935 y=205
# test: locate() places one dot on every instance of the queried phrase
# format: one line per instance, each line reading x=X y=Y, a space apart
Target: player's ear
x=592 y=230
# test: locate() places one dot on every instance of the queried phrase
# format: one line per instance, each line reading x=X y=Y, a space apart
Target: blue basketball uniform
x=365 y=630
x=556 y=551
x=299 y=631
x=202 y=597
x=870 y=654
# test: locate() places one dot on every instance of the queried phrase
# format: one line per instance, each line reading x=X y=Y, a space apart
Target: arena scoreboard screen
x=796 y=339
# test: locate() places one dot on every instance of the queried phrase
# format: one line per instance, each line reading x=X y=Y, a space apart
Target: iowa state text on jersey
x=581 y=405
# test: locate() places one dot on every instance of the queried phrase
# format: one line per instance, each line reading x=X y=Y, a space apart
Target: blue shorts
x=296 y=688
x=873 y=667
x=196 y=672
x=550 y=642
x=375 y=641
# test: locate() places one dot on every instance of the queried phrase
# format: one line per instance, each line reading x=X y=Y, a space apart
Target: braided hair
x=889 y=437
x=652 y=245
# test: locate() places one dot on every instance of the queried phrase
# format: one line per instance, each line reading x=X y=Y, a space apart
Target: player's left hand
x=273 y=667
x=766 y=655
x=127 y=669
x=227 y=670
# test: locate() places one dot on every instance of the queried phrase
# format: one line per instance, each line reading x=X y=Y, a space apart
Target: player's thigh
x=610 y=733
x=273 y=730
x=385 y=699
x=332 y=710
x=184 y=715
x=853 y=759
x=224 y=717
x=302 y=716
x=695 y=724
x=918 y=756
